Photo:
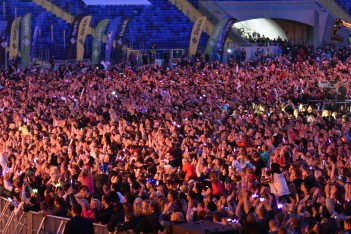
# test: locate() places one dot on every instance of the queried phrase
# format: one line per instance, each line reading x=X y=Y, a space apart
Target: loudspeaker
x=203 y=227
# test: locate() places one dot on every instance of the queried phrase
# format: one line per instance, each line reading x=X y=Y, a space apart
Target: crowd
x=143 y=148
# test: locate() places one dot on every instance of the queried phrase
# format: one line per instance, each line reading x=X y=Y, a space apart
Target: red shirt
x=190 y=171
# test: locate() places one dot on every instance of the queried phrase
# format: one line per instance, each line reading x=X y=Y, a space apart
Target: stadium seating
x=45 y=46
x=161 y=24
x=346 y=5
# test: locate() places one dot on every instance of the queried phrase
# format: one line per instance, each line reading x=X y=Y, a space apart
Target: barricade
x=32 y=222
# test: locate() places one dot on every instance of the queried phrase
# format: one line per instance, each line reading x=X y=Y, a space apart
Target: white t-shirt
x=279 y=186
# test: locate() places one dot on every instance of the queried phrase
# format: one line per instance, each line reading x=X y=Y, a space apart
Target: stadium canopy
x=263 y=26
x=116 y=2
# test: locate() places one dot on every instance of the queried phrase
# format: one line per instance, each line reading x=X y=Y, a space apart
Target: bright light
x=265 y=27
x=229 y=50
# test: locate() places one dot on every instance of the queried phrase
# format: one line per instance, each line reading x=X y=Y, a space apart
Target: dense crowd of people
x=143 y=148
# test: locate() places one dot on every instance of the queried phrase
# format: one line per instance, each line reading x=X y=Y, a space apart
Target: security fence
x=32 y=222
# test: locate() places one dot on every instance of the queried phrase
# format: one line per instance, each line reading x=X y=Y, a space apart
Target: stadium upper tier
x=161 y=24
x=346 y=5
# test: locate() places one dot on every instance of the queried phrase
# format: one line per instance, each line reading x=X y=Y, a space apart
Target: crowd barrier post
x=19 y=223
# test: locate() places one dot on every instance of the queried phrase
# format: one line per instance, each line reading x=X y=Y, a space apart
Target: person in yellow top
x=23 y=128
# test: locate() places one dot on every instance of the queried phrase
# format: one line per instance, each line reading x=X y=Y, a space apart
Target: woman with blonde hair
x=95 y=206
x=137 y=207
x=145 y=207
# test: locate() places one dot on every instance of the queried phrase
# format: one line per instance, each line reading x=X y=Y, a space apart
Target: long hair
x=275 y=168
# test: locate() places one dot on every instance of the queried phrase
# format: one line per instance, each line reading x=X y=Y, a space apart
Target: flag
x=99 y=32
x=221 y=40
x=82 y=34
x=14 y=38
x=38 y=23
x=110 y=36
x=72 y=43
x=122 y=30
x=26 y=38
x=3 y=39
x=218 y=36
x=196 y=34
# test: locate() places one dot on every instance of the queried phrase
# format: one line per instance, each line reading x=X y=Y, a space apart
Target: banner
x=38 y=23
x=99 y=32
x=82 y=34
x=196 y=34
x=215 y=37
x=72 y=42
x=26 y=39
x=14 y=38
x=221 y=40
x=122 y=30
x=110 y=36
x=3 y=40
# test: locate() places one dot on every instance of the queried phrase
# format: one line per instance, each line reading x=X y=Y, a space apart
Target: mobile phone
x=35 y=190
x=262 y=199
x=13 y=202
x=280 y=206
x=157 y=182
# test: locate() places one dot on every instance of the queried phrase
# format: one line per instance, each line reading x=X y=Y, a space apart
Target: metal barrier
x=324 y=104
x=32 y=222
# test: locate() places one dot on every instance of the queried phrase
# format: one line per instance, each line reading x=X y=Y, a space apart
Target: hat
x=151 y=181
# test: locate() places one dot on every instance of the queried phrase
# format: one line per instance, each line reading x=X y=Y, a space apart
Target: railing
x=324 y=104
x=32 y=222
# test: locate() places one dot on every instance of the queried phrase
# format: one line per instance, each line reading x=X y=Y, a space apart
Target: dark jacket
x=31 y=207
x=79 y=225
x=105 y=215
x=149 y=224
x=115 y=220
x=60 y=211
